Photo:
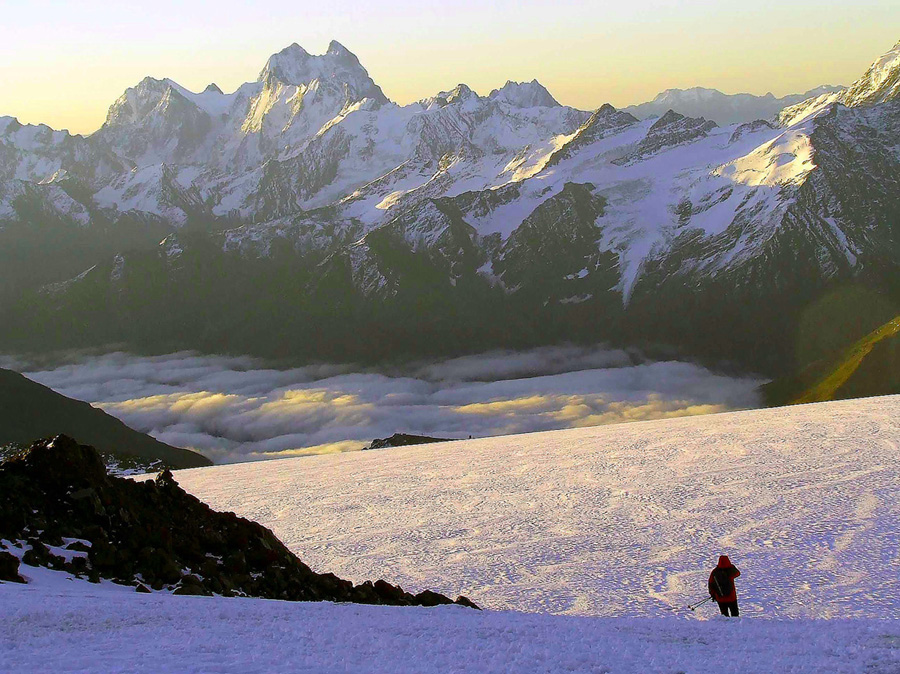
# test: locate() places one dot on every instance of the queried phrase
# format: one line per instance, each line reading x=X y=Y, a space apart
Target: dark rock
x=77 y=566
x=209 y=568
x=191 y=585
x=465 y=601
x=29 y=410
x=668 y=131
x=391 y=594
x=365 y=593
x=192 y=590
x=78 y=546
x=38 y=555
x=156 y=534
x=429 y=598
x=403 y=440
x=143 y=589
x=9 y=568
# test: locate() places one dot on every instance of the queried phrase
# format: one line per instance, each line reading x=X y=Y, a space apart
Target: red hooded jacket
x=721 y=581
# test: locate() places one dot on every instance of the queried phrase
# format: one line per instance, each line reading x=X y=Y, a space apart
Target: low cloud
x=240 y=408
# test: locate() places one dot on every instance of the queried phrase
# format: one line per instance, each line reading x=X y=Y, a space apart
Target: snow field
x=611 y=521
x=81 y=629
x=622 y=520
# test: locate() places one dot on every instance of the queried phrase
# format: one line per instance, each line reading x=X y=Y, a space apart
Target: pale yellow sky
x=64 y=63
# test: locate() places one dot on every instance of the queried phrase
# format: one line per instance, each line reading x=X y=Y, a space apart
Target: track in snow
x=612 y=521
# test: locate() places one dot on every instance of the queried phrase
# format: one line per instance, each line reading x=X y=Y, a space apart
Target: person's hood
x=724 y=562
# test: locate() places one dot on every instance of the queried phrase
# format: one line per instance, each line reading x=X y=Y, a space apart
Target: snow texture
x=76 y=629
x=619 y=520
x=618 y=525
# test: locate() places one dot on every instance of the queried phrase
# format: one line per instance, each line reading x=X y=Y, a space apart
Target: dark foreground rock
x=402 y=440
x=9 y=568
x=155 y=535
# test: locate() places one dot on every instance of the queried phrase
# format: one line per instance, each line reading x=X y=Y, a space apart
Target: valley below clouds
x=240 y=408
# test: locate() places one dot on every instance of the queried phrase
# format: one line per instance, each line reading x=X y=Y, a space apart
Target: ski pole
x=700 y=603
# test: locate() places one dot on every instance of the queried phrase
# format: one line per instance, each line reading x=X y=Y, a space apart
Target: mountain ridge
x=438 y=209
x=723 y=108
x=30 y=411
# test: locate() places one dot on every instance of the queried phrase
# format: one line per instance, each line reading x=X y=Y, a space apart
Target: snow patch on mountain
x=786 y=160
x=879 y=84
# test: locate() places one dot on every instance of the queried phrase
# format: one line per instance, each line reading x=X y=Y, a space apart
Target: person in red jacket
x=721 y=586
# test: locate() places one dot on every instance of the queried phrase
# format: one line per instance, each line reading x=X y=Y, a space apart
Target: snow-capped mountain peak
x=880 y=83
x=287 y=65
x=524 y=95
x=459 y=94
x=293 y=65
x=338 y=50
x=136 y=102
x=692 y=94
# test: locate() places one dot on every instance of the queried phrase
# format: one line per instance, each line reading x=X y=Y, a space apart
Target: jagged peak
x=880 y=83
x=524 y=95
x=335 y=48
x=461 y=91
x=607 y=115
x=458 y=94
x=8 y=124
x=212 y=88
x=675 y=121
x=670 y=117
x=293 y=65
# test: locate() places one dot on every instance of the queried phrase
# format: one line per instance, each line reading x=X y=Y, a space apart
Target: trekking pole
x=699 y=603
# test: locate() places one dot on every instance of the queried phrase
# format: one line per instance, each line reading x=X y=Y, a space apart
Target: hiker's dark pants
x=726 y=606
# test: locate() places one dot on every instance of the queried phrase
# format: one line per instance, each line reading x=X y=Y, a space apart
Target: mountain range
x=724 y=109
x=306 y=215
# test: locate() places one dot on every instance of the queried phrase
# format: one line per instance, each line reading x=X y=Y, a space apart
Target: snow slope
x=90 y=630
x=619 y=520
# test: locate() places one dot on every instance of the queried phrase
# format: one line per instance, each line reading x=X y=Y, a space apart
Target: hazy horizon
x=64 y=66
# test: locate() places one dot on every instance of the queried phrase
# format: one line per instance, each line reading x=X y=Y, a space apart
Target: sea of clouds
x=241 y=408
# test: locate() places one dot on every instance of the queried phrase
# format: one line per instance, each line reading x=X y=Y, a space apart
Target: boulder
x=9 y=568
x=429 y=598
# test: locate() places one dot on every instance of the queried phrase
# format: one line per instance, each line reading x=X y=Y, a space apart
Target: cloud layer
x=239 y=408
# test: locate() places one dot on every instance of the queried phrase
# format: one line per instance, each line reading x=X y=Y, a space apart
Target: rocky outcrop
x=604 y=122
x=9 y=568
x=668 y=131
x=154 y=535
x=750 y=128
x=402 y=440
